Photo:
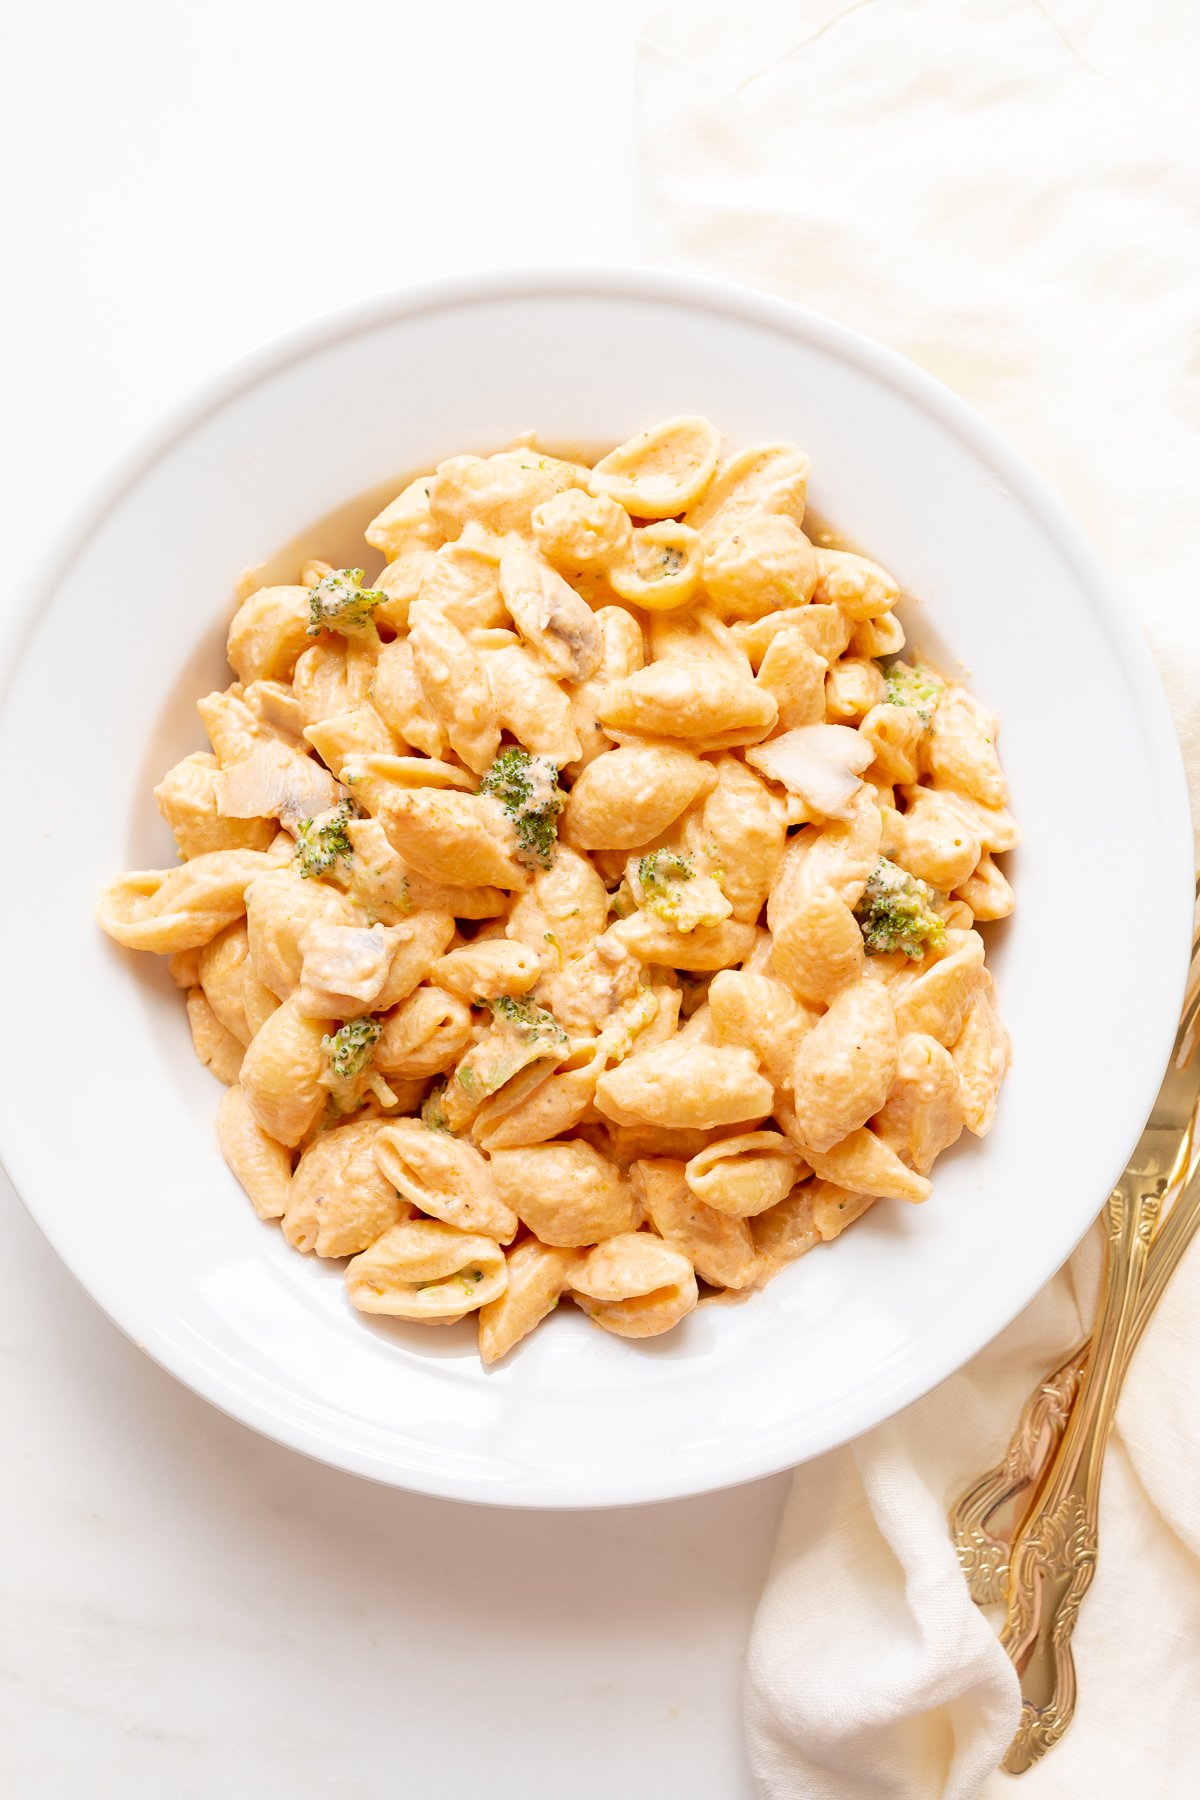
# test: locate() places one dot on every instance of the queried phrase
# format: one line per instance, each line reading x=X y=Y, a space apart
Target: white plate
x=108 y=1120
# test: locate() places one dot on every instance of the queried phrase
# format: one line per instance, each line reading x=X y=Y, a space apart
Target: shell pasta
x=586 y=907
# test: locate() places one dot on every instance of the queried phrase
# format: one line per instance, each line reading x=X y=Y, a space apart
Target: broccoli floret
x=917 y=687
x=433 y=1111
x=527 y=788
x=533 y=1023
x=324 y=841
x=668 y=884
x=351 y=1047
x=897 y=912
x=340 y=602
x=658 y=871
x=521 y=1034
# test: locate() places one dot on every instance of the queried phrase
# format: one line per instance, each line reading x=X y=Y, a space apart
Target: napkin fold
x=1009 y=193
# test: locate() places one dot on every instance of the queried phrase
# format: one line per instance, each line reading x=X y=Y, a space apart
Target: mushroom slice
x=820 y=763
x=276 y=782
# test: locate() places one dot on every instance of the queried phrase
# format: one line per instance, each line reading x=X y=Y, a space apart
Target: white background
x=185 y=1608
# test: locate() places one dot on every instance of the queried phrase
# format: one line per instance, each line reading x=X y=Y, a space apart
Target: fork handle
x=983 y=1551
x=983 y=1546
x=1053 y=1555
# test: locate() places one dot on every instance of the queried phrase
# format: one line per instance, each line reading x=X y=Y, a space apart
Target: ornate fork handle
x=983 y=1552
x=1054 y=1551
x=983 y=1519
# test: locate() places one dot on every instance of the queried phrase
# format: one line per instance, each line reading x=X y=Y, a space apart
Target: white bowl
x=108 y=1120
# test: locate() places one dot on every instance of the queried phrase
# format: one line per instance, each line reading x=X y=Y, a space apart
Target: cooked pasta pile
x=587 y=908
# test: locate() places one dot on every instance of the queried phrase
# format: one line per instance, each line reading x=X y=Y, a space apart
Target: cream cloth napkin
x=1007 y=191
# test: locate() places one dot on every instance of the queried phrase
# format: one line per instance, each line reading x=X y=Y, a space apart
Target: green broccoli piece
x=527 y=788
x=897 y=912
x=661 y=868
x=323 y=842
x=660 y=876
x=340 y=602
x=621 y=902
x=914 y=686
x=521 y=1034
x=433 y=1111
x=351 y=1047
x=532 y=1023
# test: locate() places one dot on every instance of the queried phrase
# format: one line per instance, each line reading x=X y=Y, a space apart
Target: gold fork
x=1053 y=1552
x=983 y=1518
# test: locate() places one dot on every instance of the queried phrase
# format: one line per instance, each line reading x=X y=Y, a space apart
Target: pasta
x=585 y=910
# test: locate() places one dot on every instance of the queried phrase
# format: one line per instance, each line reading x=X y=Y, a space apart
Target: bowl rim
x=882 y=364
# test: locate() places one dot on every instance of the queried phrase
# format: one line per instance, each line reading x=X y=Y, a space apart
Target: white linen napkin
x=1009 y=193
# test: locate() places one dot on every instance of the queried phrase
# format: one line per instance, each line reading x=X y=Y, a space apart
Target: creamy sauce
x=336 y=537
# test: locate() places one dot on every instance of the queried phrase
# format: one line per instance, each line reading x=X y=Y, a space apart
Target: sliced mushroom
x=820 y=763
x=549 y=614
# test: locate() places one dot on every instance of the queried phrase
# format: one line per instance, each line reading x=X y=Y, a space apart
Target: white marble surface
x=185 y=1608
